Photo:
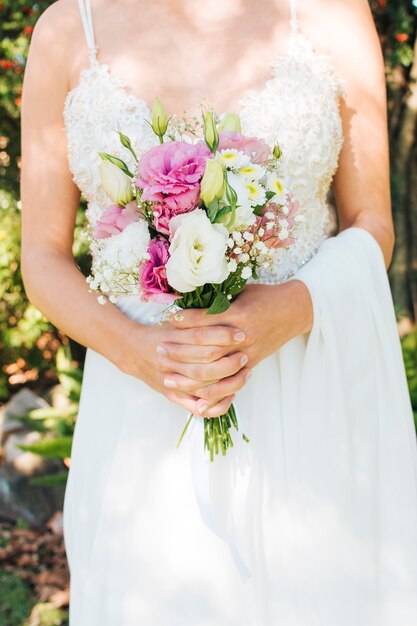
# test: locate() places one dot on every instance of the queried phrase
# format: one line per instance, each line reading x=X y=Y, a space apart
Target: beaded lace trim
x=298 y=107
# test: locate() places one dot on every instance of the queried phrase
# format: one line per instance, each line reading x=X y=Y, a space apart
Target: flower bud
x=212 y=183
x=277 y=152
x=116 y=184
x=231 y=194
x=126 y=143
x=159 y=119
x=211 y=135
x=231 y=121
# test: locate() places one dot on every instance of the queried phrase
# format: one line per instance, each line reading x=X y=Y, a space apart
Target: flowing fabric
x=312 y=523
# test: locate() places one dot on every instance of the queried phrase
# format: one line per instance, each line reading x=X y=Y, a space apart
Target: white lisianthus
x=127 y=249
x=197 y=252
x=235 y=159
x=230 y=121
x=116 y=184
x=212 y=183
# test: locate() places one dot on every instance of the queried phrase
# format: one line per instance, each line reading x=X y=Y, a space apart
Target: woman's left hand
x=268 y=315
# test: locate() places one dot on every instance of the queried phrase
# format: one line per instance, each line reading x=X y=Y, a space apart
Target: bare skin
x=167 y=48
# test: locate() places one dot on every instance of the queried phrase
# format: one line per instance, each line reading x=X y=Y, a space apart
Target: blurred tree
x=28 y=343
x=397 y=24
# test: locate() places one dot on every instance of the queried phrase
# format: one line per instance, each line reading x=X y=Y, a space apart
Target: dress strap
x=294 y=20
x=87 y=21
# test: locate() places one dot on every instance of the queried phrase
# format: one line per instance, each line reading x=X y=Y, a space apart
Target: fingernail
x=239 y=336
x=161 y=350
x=202 y=408
x=248 y=375
x=243 y=360
x=169 y=382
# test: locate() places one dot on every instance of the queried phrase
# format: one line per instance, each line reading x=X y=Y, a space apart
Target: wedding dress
x=312 y=523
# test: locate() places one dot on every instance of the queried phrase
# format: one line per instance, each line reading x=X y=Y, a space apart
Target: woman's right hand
x=180 y=362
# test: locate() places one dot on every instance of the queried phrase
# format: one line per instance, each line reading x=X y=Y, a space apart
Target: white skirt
x=311 y=523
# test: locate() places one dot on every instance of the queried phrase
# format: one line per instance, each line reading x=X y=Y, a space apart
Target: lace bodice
x=298 y=107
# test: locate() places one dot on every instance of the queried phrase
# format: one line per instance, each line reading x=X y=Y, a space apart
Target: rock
x=20 y=404
x=21 y=500
x=27 y=463
x=57 y=396
x=56 y=523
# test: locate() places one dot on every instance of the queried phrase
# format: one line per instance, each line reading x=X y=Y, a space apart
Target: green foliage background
x=28 y=343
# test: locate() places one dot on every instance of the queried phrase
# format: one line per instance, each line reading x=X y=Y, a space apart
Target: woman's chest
x=298 y=107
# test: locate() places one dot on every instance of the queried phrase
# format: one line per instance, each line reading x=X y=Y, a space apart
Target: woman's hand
x=179 y=363
x=268 y=315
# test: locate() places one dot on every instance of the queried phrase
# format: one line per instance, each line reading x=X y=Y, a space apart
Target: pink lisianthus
x=115 y=219
x=257 y=149
x=162 y=215
x=171 y=173
x=153 y=277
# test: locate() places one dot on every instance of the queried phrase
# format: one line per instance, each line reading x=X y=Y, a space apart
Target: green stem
x=186 y=426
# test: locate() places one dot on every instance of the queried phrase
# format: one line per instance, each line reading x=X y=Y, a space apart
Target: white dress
x=314 y=522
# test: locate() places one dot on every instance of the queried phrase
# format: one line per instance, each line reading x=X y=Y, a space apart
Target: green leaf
x=220 y=304
x=59 y=447
x=258 y=209
x=223 y=211
x=212 y=210
x=116 y=161
x=54 y=412
x=49 y=480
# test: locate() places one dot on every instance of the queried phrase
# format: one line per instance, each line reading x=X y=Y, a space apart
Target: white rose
x=127 y=249
x=116 y=184
x=197 y=252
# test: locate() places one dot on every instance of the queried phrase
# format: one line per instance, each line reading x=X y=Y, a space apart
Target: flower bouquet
x=202 y=211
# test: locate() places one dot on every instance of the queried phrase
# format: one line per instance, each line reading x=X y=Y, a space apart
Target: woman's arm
x=272 y=315
x=362 y=180
x=50 y=200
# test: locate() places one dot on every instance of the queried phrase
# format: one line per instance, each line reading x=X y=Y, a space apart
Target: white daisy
x=256 y=192
x=232 y=158
x=252 y=171
x=274 y=184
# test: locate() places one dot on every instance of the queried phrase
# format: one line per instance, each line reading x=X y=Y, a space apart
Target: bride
x=314 y=521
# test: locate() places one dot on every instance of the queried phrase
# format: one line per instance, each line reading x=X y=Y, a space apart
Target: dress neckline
x=298 y=46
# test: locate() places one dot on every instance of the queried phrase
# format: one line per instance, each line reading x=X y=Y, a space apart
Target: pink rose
x=257 y=149
x=153 y=276
x=115 y=219
x=171 y=173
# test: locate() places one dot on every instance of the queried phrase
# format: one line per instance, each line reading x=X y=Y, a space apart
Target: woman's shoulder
x=346 y=30
x=58 y=40
x=58 y=29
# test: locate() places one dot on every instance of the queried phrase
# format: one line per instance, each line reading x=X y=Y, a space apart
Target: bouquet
x=203 y=210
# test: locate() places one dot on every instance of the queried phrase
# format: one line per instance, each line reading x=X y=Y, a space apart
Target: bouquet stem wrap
x=333 y=450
